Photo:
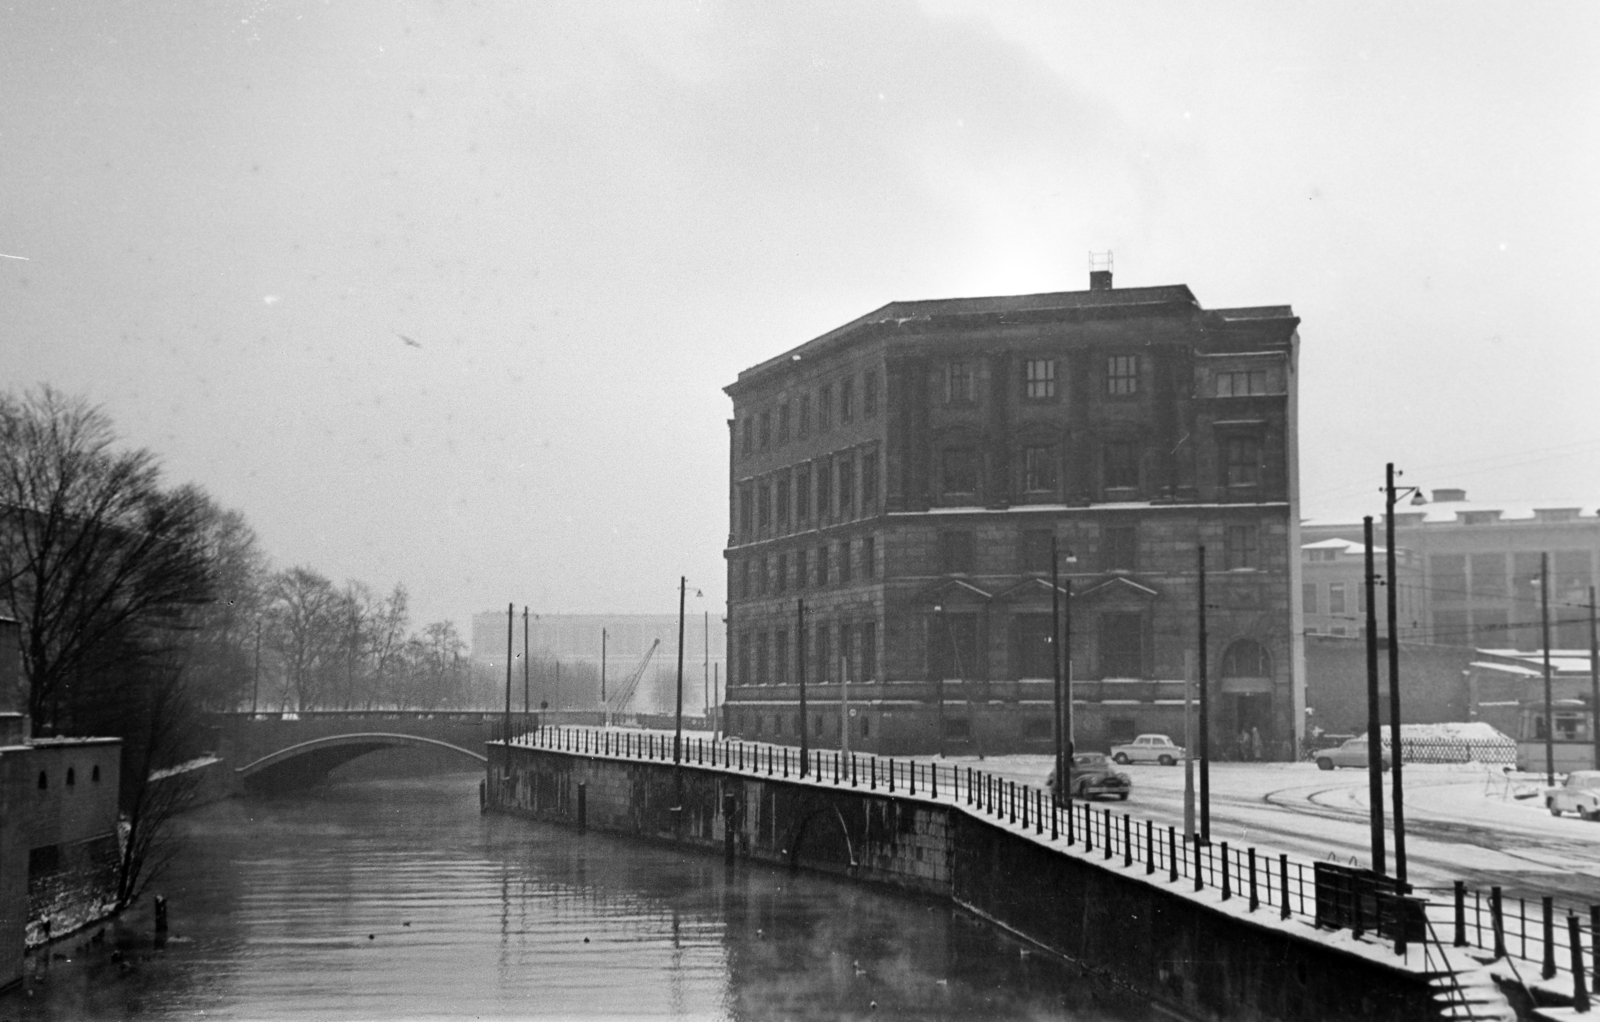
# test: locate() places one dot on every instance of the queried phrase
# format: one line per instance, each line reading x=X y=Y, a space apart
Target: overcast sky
x=589 y=217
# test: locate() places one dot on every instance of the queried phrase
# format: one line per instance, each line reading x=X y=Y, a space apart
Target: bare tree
x=303 y=616
x=92 y=549
x=389 y=627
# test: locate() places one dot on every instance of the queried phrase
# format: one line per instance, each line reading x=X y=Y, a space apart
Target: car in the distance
x=1580 y=794
x=1093 y=777
x=1352 y=753
x=1148 y=749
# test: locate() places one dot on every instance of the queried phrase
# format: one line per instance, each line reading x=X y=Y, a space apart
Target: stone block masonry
x=1190 y=956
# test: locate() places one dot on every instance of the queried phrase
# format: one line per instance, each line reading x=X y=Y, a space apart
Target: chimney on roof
x=1448 y=496
x=1099 y=271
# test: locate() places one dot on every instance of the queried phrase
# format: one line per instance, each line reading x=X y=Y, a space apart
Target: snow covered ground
x=1463 y=821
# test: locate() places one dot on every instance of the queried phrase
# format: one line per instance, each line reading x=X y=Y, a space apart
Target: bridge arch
x=309 y=761
x=824 y=822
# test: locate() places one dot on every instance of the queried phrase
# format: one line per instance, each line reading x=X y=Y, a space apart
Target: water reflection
x=396 y=899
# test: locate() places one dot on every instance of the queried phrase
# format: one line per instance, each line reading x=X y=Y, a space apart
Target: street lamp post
x=1374 y=725
x=1205 y=713
x=1544 y=640
x=800 y=657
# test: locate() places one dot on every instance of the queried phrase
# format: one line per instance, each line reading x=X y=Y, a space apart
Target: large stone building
x=905 y=474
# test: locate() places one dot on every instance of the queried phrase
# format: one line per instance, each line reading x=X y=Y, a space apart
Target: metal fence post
x=1548 y=904
x=1227 y=887
x=1108 y=833
x=1497 y=920
x=1199 y=873
x=1149 y=847
x=1172 y=854
x=1461 y=913
x=1580 y=990
x=1255 y=902
x=1127 y=841
x=1283 y=883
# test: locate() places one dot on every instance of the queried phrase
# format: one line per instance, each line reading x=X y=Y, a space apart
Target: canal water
x=396 y=899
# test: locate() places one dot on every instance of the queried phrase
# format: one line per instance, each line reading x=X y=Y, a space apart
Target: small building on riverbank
x=59 y=850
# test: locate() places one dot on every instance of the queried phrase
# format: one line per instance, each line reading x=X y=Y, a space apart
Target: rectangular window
x=1122 y=465
x=761 y=658
x=763 y=505
x=746 y=585
x=824 y=488
x=1121 y=645
x=869 y=481
x=1308 y=597
x=746 y=509
x=1447 y=578
x=781 y=575
x=1122 y=375
x=847 y=488
x=847 y=400
x=957 y=552
x=869 y=393
x=955 y=645
x=844 y=563
x=1242 y=383
x=824 y=408
x=825 y=665
x=766 y=430
x=803 y=421
x=783 y=423
x=822 y=566
x=869 y=650
x=1488 y=574
x=1036 y=550
x=780 y=657
x=1243 y=455
x=764 y=575
x=783 y=501
x=1336 y=604
x=745 y=677
x=802 y=574
x=749 y=436
x=960 y=385
x=1241 y=547
x=1039 y=469
x=1121 y=548
x=1035 y=657
x=960 y=471
x=802 y=493
x=869 y=556
x=1039 y=379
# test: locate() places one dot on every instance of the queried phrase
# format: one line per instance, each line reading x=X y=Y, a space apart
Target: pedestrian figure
x=1255 y=744
x=1244 y=745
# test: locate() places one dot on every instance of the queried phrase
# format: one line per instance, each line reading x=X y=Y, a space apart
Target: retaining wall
x=1195 y=959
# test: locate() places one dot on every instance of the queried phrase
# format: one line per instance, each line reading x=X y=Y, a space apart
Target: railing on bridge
x=1262 y=882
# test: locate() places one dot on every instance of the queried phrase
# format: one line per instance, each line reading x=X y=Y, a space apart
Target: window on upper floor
x=1036 y=550
x=766 y=430
x=1242 y=383
x=1039 y=469
x=780 y=576
x=783 y=423
x=844 y=563
x=824 y=408
x=802 y=573
x=847 y=487
x=1122 y=375
x=1035 y=654
x=746 y=585
x=869 y=650
x=780 y=656
x=957 y=552
x=1336 y=604
x=1308 y=597
x=869 y=556
x=869 y=393
x=746 y=509
x=1121 y=465
x=1241 y=547
x=955 y=646
x=783 y=501
x=1243 y=461
x=802 y=494
x=960 y=383
x=1039 y=379
x=1121 y=548
x=847 y=400
x=763 y=505
x=803 y=418
x=869 y=480
x=822 y=566
x=960 y=471
x=1121 y=645
x=824 y=488
x=749 y=427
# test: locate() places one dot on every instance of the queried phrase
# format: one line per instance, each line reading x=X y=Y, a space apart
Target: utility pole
x=603 y=669
x=1063 y=781
x=1396 y=748
x=1374 y=724
x=1549 y=710
x=800 y=656
x=1205 y=715
x=511 y=620
x=844 y=706
x=1594 y=680
x=1070 y=745
x=677 y=736
x=255 y=686
x=527 y=685
x=705 y=685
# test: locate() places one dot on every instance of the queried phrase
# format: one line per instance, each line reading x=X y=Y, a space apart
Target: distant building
x=1506 y=689
x=1333 y=591
x=1479 y=569
x=906 y=473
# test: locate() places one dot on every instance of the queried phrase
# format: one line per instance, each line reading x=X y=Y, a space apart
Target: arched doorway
x=1247 y=698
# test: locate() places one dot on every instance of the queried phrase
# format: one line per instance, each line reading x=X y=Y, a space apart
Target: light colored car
x=1148 y=749
x=1352 y=753
x=1092 y=777
x=1580 y=794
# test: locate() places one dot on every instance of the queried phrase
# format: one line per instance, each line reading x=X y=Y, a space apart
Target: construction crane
x=624 y=692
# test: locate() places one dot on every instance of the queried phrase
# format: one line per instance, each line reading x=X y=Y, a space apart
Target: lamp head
x=1417 y=499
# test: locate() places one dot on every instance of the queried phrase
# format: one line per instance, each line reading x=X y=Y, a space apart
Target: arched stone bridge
x=274 y=751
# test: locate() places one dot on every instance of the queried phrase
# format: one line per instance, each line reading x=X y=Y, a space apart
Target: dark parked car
x=1093 y=776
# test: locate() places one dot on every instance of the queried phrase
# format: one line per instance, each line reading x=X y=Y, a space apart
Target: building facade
x=905 y=475
x=1478 y=568
x=1333 y=591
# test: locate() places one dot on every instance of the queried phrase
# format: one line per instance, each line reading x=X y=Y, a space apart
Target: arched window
x=1246 y=658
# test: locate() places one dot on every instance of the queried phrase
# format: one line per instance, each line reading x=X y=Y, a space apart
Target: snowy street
x=1463 y=821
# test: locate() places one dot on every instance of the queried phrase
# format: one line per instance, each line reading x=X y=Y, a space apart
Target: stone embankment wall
x=1193 y=959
